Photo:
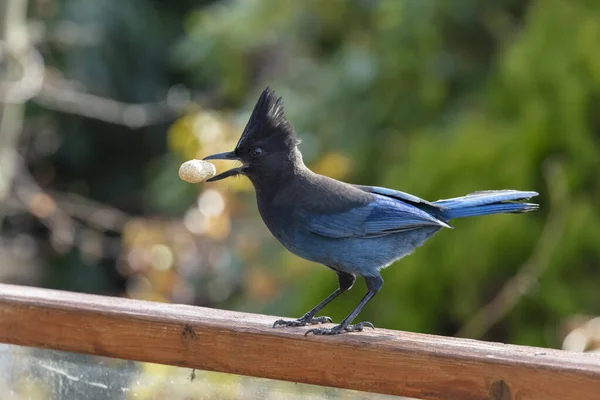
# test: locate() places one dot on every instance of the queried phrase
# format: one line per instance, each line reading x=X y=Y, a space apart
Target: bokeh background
x=101 y=101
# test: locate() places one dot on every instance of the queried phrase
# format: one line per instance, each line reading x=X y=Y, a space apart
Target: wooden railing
x=381 y=361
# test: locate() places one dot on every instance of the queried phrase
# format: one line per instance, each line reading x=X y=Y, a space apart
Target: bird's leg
x=374 y=284
x=345 y=280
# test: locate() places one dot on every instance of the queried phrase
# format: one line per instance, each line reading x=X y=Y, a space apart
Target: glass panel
x=36 y=374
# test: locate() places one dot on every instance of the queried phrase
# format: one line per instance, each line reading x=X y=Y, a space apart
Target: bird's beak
x=228 y=155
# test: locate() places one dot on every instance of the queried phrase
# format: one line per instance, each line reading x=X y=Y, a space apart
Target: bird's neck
x=268 y=183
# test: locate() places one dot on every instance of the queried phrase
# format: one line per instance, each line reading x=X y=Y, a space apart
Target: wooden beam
x=382 y=361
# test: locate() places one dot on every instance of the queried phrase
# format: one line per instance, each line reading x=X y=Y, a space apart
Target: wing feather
x=383 y=216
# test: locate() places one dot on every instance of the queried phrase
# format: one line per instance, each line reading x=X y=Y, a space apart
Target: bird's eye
x=255 y=152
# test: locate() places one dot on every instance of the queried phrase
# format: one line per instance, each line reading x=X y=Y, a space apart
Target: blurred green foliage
x=439 y=99
x=433 y=97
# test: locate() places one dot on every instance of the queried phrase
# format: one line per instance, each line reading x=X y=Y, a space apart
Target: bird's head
x=268 y=142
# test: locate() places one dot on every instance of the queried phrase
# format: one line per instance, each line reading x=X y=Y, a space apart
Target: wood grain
x=382 y=361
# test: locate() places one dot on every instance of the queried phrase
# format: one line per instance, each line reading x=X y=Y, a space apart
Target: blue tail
x=486 y=202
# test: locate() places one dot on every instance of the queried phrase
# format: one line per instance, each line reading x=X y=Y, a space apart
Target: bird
x=355 y=230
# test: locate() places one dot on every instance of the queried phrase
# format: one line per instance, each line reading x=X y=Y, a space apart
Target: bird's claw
x=303 y=321
x=336 y=330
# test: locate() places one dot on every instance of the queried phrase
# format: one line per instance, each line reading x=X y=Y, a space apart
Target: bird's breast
x=278 y=220
x=289 y=228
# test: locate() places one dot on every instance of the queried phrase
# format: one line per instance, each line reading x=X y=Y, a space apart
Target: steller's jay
x=352 y=229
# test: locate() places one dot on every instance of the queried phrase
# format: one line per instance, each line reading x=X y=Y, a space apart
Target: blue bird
x=354 y=230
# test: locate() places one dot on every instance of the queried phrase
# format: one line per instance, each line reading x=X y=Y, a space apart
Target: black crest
x=268 y=119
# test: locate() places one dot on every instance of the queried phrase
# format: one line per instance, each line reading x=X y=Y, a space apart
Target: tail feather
x=486 y=202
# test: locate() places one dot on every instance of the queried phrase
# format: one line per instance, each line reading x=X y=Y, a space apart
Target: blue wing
x=396 y=194
x=383 y=216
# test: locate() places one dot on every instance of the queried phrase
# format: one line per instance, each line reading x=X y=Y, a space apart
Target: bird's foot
x=305 y=320
x=336 y=330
